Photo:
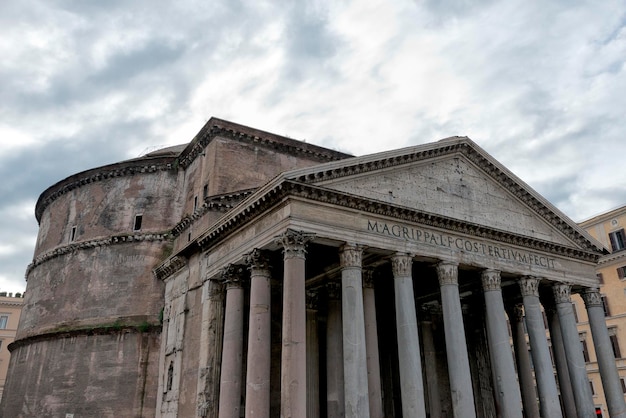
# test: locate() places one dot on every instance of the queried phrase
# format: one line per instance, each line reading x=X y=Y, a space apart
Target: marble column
x=573 y=352
x=544 y=374
x=560 y=361
x=259 y=337
x=430 y=369
x=232 y=348
x=456 y=344
x=210 y=356
x=604 y=353
x=356 y=398
x=371 y=346
x=334 y=353
x=293 y=354
x=312 y=357
x=507 y=392
x=522 y=359
x=411 y=383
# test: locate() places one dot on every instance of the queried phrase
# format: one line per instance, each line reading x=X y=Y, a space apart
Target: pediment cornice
x=288 y=188
x=451 y=146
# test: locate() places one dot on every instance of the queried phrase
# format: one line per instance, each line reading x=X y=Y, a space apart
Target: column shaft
x=293 y=355
x=356 y=399
x=411 y=383
x=371 y=346
x=312 y=358
x=560 y=361
x=507 y=392
x=259 y=338
x=604 y=353
x=544 y=374
x=522 y=359
x=210 y=348
x=232 y=349
x=430 y=369
x=456 y=344
x=573 y=352
x=334 y=354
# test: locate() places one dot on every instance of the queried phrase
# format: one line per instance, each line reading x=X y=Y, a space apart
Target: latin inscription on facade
x=438 y=239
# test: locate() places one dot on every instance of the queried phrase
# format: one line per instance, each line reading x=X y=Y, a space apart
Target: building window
x=614 y=342
x=621 y=272
x=170 y=376
x=73 y=234
x=593 y=390
x=205 y=191
x=605 y=305
x=618 y=240
x=623 y=384
x=600 y=278
x=4 y=319
x=137 y=224
x=575 y=311
x=195 y=203
x=583 y=343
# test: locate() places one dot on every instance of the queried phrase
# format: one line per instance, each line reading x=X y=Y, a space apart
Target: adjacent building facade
x=608 y=228
x=248 y=274
x=10 y=310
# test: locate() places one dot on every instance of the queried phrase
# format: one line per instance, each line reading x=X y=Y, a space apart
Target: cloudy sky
x=539 y=85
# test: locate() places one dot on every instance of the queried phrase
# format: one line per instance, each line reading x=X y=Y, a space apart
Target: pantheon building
x=247 y=274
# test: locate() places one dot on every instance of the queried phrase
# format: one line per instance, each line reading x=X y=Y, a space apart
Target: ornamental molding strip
x=84 y=245
x=220 y=203
x=276 y=195
x=99 y=174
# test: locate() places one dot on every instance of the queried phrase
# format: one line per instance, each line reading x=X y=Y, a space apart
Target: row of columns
x=353 y=371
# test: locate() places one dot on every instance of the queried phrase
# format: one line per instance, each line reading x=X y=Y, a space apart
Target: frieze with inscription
x=438 y=239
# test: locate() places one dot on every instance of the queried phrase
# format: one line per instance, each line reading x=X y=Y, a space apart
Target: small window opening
x=170 y=376
x=137 y=225
x=205 y=191
x=73 y=234
x=195 y=203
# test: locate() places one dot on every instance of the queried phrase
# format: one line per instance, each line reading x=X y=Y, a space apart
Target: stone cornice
x=102 y=242
x=217 y=127
x=275 y=195
x=220 y=203
x=169 y=267
x=619 y=256
x=455 y=145
x=124 y=168
x=106 y=329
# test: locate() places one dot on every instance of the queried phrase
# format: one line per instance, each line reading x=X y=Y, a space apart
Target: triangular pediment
x=455 y=179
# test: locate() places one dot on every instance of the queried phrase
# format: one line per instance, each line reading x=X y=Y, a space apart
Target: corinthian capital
x=448 y=273
x=401 y=265
x=232 y=276
x=592 y=297
x=294 y=243
x=562 y=293
x=491 y=280
x=529 y=286
x=257 y=260
x=350 y=255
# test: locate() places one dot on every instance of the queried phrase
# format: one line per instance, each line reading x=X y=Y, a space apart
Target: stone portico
x=380 y=286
